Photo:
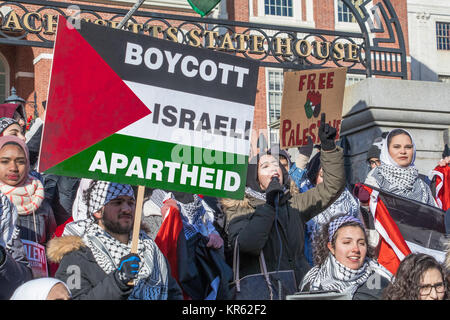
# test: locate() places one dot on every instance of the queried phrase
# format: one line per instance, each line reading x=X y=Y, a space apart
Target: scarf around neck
x=331 y=275
x=152 y=280
x=27 y=198
x=404 y=182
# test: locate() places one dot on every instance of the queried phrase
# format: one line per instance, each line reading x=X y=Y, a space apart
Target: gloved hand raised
x=128 y=268
x=327 y=134
x=274 y=189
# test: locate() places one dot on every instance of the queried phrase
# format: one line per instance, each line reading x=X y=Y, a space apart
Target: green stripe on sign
x=157 y=164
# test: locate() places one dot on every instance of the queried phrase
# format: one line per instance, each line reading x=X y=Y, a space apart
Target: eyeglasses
x=425 y=290
x=375 y=162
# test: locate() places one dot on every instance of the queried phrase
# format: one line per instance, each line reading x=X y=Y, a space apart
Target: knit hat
x=5 y=123
x=373 y=152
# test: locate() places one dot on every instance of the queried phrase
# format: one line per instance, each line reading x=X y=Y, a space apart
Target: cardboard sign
x=306 y=95
x=36 y=257
x=135 y=109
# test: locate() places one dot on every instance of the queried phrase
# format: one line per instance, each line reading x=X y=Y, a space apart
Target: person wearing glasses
x=373 y=156
x=419 y=277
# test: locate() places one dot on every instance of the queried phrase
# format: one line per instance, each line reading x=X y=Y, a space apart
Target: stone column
x=376 y=105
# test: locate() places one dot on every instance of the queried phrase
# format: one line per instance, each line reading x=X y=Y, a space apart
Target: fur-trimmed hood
x=236 y=208
x=57 y=248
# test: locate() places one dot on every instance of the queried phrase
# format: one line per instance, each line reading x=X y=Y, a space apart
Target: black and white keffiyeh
x=5 y=123
x=255 y=194
x=152 y=283
x=404 y=182
x=8 y=223
x=345 y=204
x=334 y=276
x=103 y=192
x=195 y=217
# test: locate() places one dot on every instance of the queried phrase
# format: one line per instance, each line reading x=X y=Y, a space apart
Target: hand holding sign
x=327 y=134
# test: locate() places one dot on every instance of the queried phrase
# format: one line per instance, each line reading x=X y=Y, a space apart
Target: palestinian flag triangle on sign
x=134 y=109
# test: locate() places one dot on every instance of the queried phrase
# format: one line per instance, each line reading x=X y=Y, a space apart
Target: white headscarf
x=385 y=157
x=79 y=208
x=36 y=289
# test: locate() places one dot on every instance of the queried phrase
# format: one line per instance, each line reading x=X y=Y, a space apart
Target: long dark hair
x=320 y=248
x=406 y=285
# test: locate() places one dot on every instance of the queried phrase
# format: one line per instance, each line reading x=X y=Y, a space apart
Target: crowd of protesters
x=298 y=214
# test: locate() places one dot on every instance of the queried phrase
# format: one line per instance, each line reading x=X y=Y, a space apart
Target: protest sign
x=36 y=258
x=134 y=109
x=307 y=94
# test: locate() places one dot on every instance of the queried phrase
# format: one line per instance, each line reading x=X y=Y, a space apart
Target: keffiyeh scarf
x=152 y=280
x=334 y=276
x=345 y=204
x=8 y=220
x=27 y=198
x=403 y=181
x=103 y=192
x=196 y=219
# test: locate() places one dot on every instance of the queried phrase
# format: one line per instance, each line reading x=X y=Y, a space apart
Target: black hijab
x=252 y=173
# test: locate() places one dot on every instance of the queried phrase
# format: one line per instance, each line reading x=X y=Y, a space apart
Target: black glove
x=128 y=268
x=326 y=135
x=274 y=189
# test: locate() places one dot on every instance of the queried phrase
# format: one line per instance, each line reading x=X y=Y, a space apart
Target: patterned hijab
x=5 y=123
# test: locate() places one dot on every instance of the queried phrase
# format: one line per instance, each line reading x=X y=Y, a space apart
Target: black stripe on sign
x=148 y=63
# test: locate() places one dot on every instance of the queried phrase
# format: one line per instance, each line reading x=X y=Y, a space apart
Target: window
x=278 y=8
x=443 y=35
x=4 y=79
x=274 y=94
x=444 y=78
x=352 y=79
x=274 y=137
x=344 y=13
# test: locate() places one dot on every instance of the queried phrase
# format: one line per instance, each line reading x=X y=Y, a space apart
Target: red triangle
x=87 y=101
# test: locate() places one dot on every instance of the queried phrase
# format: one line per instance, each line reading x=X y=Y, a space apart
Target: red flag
x=393 y=248
x=442 y=175
x=167 y=238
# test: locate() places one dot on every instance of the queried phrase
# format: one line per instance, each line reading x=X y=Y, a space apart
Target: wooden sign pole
x=137 y=221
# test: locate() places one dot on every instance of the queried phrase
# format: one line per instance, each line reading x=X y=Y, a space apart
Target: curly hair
x=406 y=284
x=320 y=248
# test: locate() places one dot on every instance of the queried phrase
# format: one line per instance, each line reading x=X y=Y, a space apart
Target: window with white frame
x=282 y=8
x=344 y=14
x=443 y=35
x=353 y=78
x=274 y=93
